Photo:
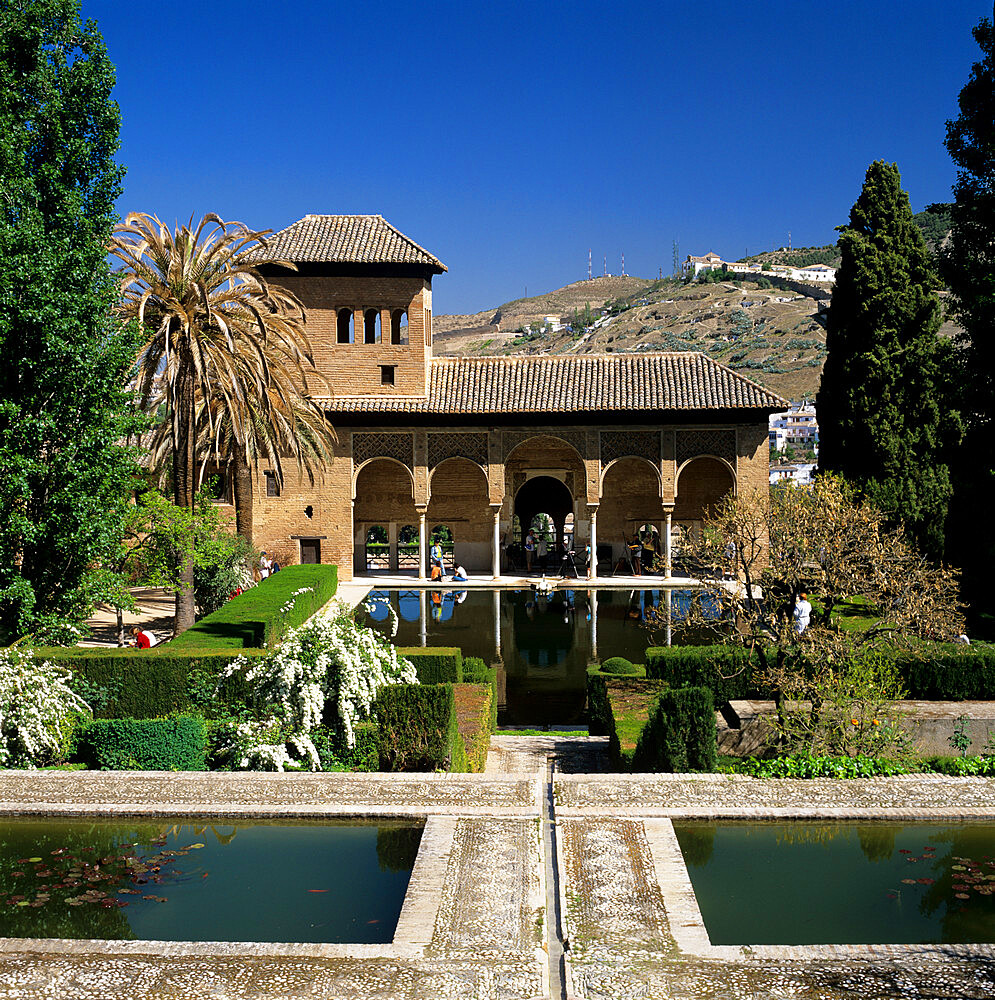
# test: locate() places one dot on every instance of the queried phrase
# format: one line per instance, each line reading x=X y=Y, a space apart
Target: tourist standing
x=802 y=613
x=265 y=565
x=530 y=548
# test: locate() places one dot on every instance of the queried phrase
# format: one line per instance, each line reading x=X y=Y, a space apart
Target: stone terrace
x=481 y=907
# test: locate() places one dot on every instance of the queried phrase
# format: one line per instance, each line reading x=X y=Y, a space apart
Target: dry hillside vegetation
x=774 y=336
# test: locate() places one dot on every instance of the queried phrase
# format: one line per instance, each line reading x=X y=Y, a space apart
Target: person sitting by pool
x=144 y=639
x=459 y=574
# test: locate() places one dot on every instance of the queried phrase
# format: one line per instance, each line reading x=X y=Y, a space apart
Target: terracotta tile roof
x=347 y=239
x=568 y=384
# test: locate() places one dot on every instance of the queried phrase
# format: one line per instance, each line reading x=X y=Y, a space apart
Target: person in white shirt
x=265 y=565
x=802 y=613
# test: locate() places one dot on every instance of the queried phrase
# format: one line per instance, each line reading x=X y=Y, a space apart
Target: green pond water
x=797 y=883
x=541 y=644
x=197 y=881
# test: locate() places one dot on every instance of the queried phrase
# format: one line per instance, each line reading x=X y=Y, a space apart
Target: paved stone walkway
x=476 y=920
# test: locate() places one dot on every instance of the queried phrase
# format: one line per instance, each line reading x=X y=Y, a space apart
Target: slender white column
x=592 y=573
x=422 y=545
x=496 y=545
x=668 y=513
x=423 y=617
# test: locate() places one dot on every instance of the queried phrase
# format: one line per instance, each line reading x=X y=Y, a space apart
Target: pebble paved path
x=477 y=920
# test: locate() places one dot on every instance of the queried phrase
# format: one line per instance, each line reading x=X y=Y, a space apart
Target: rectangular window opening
x=387 y=373
x=272 y=485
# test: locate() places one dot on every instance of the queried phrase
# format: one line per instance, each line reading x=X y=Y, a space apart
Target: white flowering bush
x=330 y=668
x=35 y=705
x=288 y=606
x=265 y=745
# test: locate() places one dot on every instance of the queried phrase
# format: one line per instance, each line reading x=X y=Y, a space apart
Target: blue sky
x=508 y=139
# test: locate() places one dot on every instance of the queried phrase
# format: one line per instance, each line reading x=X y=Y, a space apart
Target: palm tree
x=221 y=342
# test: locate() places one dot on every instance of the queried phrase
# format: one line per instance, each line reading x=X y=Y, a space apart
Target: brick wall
x=352 y=369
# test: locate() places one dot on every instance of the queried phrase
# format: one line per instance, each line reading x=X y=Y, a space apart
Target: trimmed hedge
x=435 y=664
x=255 y=619
x=949 y=673
x=620 y=665
x=727 y=671
x=473 y=719
x=475 y=671
x=129 y=683
x=175 y=744
x=939 y=672
x=418 y=728
x=679 y=735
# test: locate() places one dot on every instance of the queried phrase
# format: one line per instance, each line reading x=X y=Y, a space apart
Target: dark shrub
x=175 y=744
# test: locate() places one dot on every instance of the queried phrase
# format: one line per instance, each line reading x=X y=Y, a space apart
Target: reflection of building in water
x=540 y=644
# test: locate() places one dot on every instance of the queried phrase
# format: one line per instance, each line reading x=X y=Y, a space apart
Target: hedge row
x=473 y=720
x=943 y=672
x=435 y=664
x=475 y=671
x=175 y=744
x=418 y=728
x=679 y=735
x=256 y=618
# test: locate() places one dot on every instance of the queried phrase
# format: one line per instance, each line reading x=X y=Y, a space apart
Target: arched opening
x=543 y=503
x=398 y=327
x=408 y=548
x=345 y=327
x=383 y=504
x=630 y=499
x=371 y=326
x=701 y=484
x=377 y=548
x=459 y=503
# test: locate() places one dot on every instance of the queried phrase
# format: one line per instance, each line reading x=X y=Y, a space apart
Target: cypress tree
x=63 y=362
x=884 y=421
x=968 y=267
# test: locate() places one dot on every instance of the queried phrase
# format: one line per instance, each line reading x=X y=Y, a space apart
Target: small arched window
x=346 y=333
x=371 y=326
x=398 y=327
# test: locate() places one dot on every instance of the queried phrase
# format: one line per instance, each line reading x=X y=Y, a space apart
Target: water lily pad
x=194 y=847
x=958 y=868
x=908 y=881
x=961 y=895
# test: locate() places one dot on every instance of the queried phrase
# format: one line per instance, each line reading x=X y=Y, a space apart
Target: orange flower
x=875 y=722
x=855 y=722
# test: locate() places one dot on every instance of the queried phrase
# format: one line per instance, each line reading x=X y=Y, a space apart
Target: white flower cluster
x=293 y=598
x=263 y=746
x=35 y=700
x=329 y=661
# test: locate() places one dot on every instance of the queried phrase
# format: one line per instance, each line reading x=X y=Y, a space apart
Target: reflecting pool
x=540 y=643
x=798 y=883
x=196 y=881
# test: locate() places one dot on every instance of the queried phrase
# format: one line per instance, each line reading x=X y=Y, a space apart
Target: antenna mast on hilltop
x=588 y=265
x=789 y=239
x=606 y=265
x=623 y=263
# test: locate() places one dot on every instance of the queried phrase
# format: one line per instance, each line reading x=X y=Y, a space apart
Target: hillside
x=774 y=335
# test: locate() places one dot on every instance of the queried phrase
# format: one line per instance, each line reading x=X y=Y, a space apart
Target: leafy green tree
x=884 y=420
x=968 y=266
x=63 y=405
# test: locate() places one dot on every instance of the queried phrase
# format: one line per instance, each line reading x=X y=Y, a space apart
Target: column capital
x=421 y=509
x=668 y=507
x=593 y=507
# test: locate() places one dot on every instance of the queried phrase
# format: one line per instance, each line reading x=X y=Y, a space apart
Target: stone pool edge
x=689 y=932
